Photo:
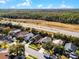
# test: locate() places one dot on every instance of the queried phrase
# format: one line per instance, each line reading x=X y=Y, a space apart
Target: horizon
x=41 y=4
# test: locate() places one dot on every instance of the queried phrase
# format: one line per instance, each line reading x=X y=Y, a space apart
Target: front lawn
x=35 y=46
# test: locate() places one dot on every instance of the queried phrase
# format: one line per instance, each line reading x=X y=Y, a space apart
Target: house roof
x=21 y=34
x=27 y=36
x=44 y=40
x=70 y=47
x=37 y=38
x=57 y=41
x=53 y=57
x=73 y=55
x=15 y=31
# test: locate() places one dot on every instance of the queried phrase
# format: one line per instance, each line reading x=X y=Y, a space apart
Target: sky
x=39 y=4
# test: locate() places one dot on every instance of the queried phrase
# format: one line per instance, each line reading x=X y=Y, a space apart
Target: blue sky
x=38 y=4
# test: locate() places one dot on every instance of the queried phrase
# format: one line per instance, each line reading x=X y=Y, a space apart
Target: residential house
x=1 y=36
x=13 y=32
x=45 y=40
x=21 y=34
x=8 y=38
x=73 y=55
x=47 y=56
x=54 y=57
x=28 y=36
x=36 y=38
x=57 y=42
x=69 y=47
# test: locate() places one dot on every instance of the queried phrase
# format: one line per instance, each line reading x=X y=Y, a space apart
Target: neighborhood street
x=33 y=52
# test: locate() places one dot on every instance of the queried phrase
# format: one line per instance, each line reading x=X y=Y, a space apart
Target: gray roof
x=73 y=55
x=36 y=38
x=15 y=31
x=53 y=57
x=28 y=36
x=70 y=47
x=45 y=39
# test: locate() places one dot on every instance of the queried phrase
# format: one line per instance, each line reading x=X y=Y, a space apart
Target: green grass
x=31 y=57
x=35 y=46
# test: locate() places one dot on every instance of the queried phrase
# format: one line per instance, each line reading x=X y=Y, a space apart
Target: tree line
x=55 y=16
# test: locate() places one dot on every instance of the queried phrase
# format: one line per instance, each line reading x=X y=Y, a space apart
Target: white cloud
x=12 y=7
x=65 y=6
x=25 y=3
x=49 y=6
x=40 y=6
x=3 y=1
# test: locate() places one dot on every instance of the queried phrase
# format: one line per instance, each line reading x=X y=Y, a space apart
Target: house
x=13 y=32
x=70 y=47
x=28 y=36
x=1 y=36
x=21 y=34
x=73 y=55
x=53 y=57
x=36 y=38
x=57 y=42
x=45 y=40
x=8 y=38
x=47 y=56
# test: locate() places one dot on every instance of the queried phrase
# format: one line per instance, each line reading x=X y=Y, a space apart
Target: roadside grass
x=70 y=27
x=34 y=46
x=49 y=52
x=31 y=57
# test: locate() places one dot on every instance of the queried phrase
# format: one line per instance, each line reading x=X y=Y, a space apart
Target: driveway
x=33 y=53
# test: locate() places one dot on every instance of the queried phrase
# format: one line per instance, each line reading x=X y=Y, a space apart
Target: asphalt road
x=34 y=53
x=49 y=29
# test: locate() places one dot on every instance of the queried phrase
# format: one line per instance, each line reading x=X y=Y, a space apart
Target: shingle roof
x=73 y=55
x=44 y=40
x=27 y=36
x=70 y=47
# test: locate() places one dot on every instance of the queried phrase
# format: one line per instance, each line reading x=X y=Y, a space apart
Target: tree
x=4 y=45
x=34 y=31
x=20 y=39
x=16 y=50
x=47 y=46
